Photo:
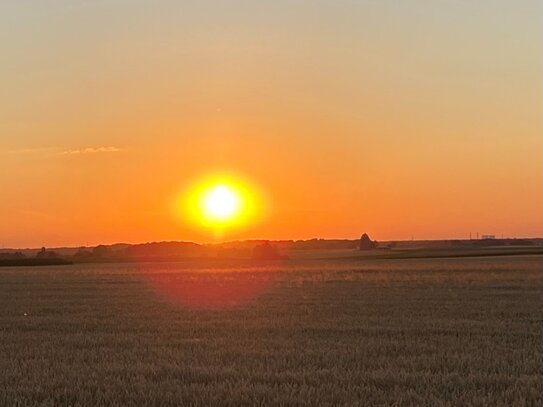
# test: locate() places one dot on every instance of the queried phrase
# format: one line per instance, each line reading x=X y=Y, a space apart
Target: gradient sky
x=400 y=119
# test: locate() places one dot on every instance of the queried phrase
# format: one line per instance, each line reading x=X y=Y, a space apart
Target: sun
x=220 y=203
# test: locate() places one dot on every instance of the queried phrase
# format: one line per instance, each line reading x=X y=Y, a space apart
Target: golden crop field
x=298 y=332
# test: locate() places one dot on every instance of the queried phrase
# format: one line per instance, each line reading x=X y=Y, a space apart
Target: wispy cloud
x=55 y=151
x=92 y=150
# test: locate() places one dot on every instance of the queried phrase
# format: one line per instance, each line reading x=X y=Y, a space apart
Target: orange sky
x=422 y=120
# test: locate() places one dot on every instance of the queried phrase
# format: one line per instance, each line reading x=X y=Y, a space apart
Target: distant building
x=488 y=237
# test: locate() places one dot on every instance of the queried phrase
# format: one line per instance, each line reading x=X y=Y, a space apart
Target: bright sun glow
x=220 y=203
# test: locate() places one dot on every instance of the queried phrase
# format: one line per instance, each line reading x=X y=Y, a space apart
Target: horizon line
x=266 y=240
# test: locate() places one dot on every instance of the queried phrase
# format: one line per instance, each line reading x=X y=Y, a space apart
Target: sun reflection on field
x=211 y=289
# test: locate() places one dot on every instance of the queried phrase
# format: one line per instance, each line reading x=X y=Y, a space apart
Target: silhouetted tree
x=266 y=251
x=83 y=253
x=366 y=243
x=14 y=255
x=46 y=254
x=101 y=252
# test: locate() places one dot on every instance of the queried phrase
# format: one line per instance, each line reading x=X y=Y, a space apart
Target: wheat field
x=424 y=332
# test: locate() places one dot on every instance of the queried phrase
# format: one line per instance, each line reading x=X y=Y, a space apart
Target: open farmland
x=463 y=331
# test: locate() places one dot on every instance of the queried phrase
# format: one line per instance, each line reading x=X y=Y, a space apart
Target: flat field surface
x=458 y=331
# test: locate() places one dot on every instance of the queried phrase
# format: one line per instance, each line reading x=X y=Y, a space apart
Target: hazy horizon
x=225 y=242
